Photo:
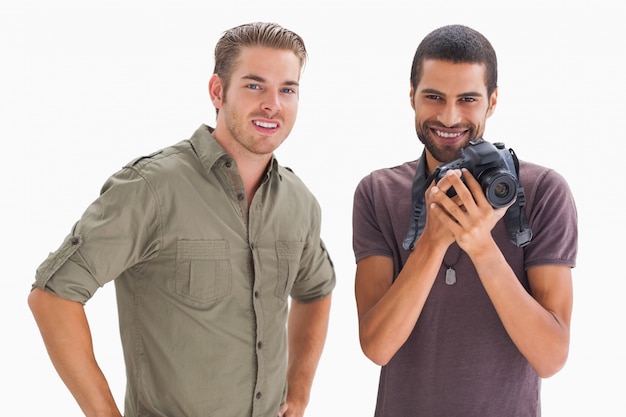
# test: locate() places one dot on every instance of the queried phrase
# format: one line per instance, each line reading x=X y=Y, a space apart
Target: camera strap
x=515 y=217
x=418 y=219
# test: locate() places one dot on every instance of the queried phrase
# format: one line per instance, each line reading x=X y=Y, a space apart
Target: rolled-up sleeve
x=119 y=230
x=316 y=275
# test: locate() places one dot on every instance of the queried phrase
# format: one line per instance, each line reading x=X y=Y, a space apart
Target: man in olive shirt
x=207 y=241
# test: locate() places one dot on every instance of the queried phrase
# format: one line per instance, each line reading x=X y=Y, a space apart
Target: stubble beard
x=443 y=153
x=252 y=142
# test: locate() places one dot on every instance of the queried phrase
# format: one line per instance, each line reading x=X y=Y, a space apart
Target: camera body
x=493 y=167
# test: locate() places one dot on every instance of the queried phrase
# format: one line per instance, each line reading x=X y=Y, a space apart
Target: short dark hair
x=457 y=44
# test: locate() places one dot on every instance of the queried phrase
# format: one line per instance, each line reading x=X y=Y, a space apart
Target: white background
x=84 y=89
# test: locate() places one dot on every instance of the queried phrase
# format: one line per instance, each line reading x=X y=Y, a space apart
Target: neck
x=251 y=166
x=252 y=176
x=431 y=163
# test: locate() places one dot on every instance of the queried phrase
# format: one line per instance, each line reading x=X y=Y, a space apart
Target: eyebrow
x=256 y=78
x=439 y=93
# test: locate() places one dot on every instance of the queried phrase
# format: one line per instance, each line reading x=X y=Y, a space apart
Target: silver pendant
x=450 y=276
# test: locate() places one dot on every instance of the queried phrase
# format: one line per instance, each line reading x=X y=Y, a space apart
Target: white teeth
x=447 y=135
x=266 y=125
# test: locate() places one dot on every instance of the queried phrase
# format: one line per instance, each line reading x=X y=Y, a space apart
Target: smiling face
x=451 y=108
x=258 y=111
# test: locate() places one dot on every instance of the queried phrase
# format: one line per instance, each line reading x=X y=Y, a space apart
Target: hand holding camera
x=496 y=170
x=493 y=167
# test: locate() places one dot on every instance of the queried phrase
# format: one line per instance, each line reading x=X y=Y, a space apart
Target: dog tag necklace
x=450 y=271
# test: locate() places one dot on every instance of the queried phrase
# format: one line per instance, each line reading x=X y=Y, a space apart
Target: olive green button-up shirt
x=202 y=282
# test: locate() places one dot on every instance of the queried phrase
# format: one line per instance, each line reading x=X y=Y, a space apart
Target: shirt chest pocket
x=288 y=254
x=203 y=271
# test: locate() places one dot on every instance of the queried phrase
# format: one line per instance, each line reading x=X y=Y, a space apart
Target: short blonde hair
x=269 y=35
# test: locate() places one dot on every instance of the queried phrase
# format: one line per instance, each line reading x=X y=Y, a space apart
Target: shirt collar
x=210 y=151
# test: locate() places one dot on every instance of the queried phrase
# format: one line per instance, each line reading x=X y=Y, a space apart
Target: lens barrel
x=500 y=187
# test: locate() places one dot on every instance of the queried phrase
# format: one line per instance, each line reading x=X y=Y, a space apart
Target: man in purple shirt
x=466 y=305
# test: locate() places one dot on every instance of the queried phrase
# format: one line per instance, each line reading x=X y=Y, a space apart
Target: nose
x=450 y=114
x=271 y=102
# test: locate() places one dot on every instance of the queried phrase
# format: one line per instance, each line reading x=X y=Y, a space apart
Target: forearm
x=539 y=327
x=307 y=330
x=65 y=331
x=387 y=324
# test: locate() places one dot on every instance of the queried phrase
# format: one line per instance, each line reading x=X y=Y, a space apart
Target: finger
x=445 y=183
x=463 y=197
x=478 y=196
x=447 y=205
x=445 y=218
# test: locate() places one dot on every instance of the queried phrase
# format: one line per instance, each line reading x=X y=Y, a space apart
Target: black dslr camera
x=496 y=169
x=493 y=167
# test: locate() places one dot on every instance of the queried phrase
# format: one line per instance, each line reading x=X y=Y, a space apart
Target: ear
x=412 y=96
x=493 y=100
x=216 y=91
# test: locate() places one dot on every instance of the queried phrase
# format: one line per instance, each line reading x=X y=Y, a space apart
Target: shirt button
x=240 y=196
x=258 y=395
x=256 y=294
x=259 y=345
x=74 y=241
x=228 y=164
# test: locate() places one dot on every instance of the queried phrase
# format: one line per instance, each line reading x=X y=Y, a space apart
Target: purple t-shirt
x=459 y=360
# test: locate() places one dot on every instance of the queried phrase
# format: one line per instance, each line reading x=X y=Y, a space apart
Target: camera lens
x=500 y=188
